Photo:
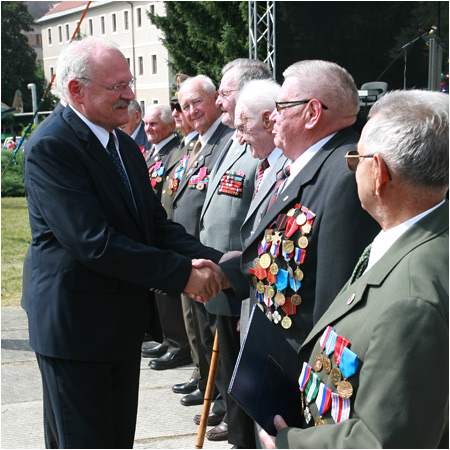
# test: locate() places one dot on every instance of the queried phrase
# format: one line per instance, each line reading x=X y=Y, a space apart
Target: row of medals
x=265 y=262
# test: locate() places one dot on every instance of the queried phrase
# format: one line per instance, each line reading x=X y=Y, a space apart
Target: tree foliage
x=201 y=37
x=19 y=66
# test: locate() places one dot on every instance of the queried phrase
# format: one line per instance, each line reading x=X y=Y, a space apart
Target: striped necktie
x=263 y=166
x=361 y=265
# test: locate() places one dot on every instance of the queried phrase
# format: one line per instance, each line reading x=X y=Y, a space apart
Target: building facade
x=125 y=23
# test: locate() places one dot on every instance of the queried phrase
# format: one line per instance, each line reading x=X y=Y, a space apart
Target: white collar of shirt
x=189 y=137
x=386 y=239
x=205 y=138
x=273 y=157
x=136 y=131
x=161 y=144
x=101 y=134
x=304 y=159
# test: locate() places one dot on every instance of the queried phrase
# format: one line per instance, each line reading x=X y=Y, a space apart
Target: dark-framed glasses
x=353 y=159
x=290 y=104
x=176 y=106
x=117 y=88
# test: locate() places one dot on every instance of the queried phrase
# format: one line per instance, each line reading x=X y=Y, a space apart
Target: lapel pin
x=351 y=298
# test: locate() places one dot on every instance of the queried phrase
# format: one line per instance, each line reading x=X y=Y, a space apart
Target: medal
x=273 y=268
x=200 y=186
x=320 y=421
x=306 y=229
x=280 y=299
x=268 y=235
x=303 y=242
x=276 y=238
x=301 y=219
x=298 y=274
x=344 y=389
x=296 y=299
x=307 y=414
x=260 y=287
x=276 y=317
x=270 y=291
x=318 y=362
x=291 y=212
x=323 y=402
x=327 y=364
x=265 y=261
x=286 y=323
x=288 y=246
x=335 y=375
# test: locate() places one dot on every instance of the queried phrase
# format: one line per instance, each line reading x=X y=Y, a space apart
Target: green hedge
x=12 y=180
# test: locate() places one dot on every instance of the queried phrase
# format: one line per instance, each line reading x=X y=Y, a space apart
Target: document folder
x=265 y=378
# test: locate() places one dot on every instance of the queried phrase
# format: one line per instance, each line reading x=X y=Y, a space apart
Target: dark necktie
x=282 y=177
x=361 y=265
x=112 y=152
x=263 y=166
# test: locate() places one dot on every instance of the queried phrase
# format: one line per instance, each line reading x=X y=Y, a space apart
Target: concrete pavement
x=162 y=421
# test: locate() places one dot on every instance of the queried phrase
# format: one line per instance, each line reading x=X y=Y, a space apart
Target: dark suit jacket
x=94 y=255
x=340 y=232
x=187 y=202
x=395 y=317
x=141 y=139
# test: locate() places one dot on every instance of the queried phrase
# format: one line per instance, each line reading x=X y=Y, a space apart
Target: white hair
x=259 y=96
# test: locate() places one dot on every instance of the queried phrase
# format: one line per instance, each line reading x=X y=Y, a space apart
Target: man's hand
x=205 y=282
x=202 y=263
x=266 y=438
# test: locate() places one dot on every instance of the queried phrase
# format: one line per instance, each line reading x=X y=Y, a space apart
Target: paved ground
x=162 y=421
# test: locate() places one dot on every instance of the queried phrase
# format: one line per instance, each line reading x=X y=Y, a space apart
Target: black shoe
x=194 y=398
x=169 y=361
x=186 y=388
x=154 y=352
x=213 y=419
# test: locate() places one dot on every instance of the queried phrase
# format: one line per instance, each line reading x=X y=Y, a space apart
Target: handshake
x=207 y=278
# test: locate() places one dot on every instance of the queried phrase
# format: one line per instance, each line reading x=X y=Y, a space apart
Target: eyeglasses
x=176 y=106
x=225 y=94
x=352 y=158
x=285 y=105
x=117 y=88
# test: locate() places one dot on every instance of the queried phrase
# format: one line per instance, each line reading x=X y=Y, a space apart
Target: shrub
x=12 y=180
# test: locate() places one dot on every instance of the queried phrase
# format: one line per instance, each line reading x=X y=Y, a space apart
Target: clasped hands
x=207 y=278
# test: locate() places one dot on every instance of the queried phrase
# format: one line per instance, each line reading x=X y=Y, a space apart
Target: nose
x=128 y=93
x=219 y=101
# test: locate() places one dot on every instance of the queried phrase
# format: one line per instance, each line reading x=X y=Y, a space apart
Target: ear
x=313 y=113
x=380 y=174
x=75 y=89
x=267 y=124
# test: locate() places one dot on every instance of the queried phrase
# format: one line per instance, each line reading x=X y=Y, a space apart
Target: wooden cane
x=209 y=392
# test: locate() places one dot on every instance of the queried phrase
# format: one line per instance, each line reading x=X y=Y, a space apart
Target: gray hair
x=133 y=107
x=328 y=82
x=165 y=112
x=205 y=82
x=77 y=61
x=259 y=96
x=410 y=130
x=249 y=69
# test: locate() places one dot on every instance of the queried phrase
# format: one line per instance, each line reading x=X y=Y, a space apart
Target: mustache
x=121 y=103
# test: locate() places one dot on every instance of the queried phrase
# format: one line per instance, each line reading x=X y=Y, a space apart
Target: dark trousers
x=90 y=404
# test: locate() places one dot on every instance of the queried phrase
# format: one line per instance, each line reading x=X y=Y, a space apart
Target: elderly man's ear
x=267 y=123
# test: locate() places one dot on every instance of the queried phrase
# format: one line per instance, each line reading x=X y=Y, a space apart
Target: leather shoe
x=213 y=419
x=169 y=361
x=194 y=398
x=185 y=388
x=218 y=433
x=154 y=352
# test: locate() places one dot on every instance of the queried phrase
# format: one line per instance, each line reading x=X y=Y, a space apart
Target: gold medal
x=260 y=287
x=265 y=261
x=306 y=228
x=345 y=389
x=270 y=291
x=169 y=192
x=286 y=322
x=301 y=219
x=320 y=421
x=298 y=274
x=291 y=212
x=280 y=299
x=276 y=238
x=327 y=364
x=318 y=362
x=303 y=242
x=268 y=236
x=296 y=299
x=288 y=246
x=335 y=375
x=158 y=179
x=274 y=268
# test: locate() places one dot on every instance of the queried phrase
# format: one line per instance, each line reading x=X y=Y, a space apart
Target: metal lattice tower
x=261 y=29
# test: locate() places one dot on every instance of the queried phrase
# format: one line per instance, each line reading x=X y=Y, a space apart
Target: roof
x=64 y=6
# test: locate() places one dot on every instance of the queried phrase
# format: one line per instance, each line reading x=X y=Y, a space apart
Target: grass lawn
x=16 y=236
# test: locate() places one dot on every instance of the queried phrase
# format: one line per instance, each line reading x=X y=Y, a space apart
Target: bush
x=12 y=180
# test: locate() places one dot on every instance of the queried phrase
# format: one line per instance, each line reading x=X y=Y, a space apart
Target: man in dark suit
x=135 y=127
x=392 y=315
x=100 y=241
x=197 y=97
x=159 y=128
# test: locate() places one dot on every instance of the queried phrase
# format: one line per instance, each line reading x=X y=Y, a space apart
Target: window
x=129 y=62
x=60 y=39
x=49 y=36
x=126 y=25
x=155 y=101
x=151 y=10
x=139 y=17
x=102 y=25
x=91 y=27
x=67 y=32
x=52 y=72
x=142 y=104
x=154 y=67
x=141 y=65
x=113 y=23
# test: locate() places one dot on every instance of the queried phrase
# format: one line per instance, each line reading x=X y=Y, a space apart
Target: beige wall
x=150 y=87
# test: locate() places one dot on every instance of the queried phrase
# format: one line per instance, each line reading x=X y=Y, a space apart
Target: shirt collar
x=205 y=138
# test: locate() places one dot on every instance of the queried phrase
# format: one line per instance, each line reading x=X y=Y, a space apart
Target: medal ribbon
x=202 y=173
x=323 y=400
x=282 y=280
x=325 y=335
x=340 y=409
x=291 y=227
x=341 y=343
x=304 y=376
x=275 y=250
x=295 y=285
x=312 y=388
x=299 y=255
x=329 y=345
x=349 y=363
x=263 y=246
